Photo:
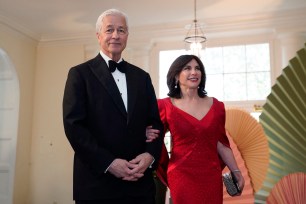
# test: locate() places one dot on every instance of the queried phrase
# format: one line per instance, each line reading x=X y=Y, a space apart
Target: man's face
x=113 y=36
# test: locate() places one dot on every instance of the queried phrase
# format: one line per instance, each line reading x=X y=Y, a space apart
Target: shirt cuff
x=152 y=163
x=108 y=167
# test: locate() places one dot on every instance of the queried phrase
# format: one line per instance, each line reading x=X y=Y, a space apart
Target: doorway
x=9 y=113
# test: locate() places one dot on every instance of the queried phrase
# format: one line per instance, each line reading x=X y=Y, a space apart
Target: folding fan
x=251 y=142
x=290 y=189
x=284 y=122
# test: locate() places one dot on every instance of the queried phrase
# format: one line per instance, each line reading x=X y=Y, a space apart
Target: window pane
x=234 y=59
x=212 y=60
x=214 y=86
x=258 y=85
x=235 y=87
x=258 y=57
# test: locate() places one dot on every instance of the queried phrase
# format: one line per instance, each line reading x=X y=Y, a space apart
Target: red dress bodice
x=193 y=172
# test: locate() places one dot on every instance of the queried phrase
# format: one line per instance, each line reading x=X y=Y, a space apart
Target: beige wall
x=44 y=158
x=22 y=52
x=51 y=154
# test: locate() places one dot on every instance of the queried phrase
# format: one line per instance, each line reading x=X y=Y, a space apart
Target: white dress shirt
x=119 y=78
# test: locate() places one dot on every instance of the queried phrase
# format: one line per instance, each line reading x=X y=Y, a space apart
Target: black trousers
x=124 y=200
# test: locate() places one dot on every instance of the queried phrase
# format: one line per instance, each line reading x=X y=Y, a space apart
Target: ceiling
x=45 y=19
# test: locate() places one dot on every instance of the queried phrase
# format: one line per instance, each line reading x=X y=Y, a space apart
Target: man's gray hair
x=108 y=13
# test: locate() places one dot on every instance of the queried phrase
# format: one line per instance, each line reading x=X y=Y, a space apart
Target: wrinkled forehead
x=114 y=21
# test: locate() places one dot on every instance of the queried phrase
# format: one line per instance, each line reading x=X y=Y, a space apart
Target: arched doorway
x=9 y=113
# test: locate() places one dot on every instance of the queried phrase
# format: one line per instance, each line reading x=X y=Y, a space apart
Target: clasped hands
x=134 y=169
x=131 y=170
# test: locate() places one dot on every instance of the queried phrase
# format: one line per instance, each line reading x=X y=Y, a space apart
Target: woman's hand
x=240 y=180
x=151 y=134
x=228 y=157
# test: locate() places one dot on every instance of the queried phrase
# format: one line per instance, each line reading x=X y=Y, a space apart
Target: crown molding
x=19 y=28
x=234 y=25
x=258 y=23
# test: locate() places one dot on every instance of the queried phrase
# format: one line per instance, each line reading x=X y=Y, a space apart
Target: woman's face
x=190 y=76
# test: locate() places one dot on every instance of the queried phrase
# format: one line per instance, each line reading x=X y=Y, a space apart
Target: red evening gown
x=193 y=172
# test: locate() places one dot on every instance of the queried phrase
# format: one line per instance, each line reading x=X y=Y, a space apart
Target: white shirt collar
x=119 y=78
x=106 y=58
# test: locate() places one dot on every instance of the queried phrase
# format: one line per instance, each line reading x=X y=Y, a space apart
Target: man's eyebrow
x=109 y=26
x=113 y=26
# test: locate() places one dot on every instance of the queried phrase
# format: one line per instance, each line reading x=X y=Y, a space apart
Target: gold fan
x=251 y=142
x=283 y=119
x=247 y=195
x=290 y=189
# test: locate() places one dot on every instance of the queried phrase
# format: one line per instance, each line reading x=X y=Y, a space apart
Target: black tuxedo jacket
x=99 y=128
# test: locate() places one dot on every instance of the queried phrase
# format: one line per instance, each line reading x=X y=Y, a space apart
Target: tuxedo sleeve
x=154 y=147
x=75 y=121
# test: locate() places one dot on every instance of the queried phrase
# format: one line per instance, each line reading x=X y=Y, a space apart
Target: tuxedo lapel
x=132 y=90
x=100 y=70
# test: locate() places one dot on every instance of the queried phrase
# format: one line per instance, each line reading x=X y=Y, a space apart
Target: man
x=105 y=114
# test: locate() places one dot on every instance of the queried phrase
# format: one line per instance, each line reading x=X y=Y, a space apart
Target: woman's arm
x=151 y=134
x=228 y=158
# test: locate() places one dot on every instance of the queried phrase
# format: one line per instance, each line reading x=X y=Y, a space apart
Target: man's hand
x=141 y=163
x=151 y=133
x=133 y=170
x=122 y=169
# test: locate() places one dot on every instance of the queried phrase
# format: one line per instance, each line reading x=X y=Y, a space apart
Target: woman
x=200 y=147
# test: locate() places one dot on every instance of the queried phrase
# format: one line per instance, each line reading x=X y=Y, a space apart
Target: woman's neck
x=190 y=94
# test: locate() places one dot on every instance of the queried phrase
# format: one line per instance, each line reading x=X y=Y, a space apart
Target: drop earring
x=176 y=84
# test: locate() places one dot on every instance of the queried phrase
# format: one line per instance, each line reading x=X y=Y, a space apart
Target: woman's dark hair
x=176 y=68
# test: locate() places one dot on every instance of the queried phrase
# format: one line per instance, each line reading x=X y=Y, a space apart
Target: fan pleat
x=299 y=72
x=302 y=60
x=292 y=115
x=282 y=137
x=252 y=143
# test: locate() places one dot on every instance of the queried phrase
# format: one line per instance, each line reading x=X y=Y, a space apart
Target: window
x=234 y=73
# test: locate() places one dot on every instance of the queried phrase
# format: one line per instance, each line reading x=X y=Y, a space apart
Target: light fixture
x=195 y=37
